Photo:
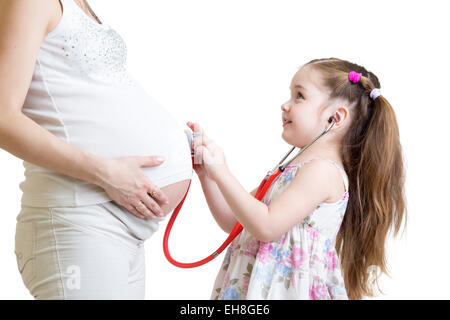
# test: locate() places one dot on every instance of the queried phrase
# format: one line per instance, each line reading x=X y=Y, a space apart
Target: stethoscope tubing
x=261 y=191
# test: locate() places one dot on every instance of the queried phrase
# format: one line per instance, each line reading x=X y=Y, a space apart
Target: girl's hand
x=199 y=168
x=126 y=183
x=207 y=154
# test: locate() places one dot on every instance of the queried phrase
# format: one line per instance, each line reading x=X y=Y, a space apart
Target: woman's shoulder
x=38 y=14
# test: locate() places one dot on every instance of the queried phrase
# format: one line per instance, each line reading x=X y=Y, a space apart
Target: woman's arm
x=25 y=139
x=217 y=204
x=23 y=26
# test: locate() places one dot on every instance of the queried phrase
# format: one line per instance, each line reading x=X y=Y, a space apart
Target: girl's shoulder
x=331 y=171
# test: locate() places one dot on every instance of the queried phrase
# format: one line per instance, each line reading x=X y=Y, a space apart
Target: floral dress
x=300 y=264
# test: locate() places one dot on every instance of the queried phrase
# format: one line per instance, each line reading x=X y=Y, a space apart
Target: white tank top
x=82 y=93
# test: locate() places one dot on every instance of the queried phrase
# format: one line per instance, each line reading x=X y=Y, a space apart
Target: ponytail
x=372 y=157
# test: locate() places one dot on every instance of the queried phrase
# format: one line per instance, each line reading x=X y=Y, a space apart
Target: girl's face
x=303 y=117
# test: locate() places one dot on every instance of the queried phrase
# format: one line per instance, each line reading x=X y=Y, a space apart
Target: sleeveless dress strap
x=71 y=5
x=68 y=3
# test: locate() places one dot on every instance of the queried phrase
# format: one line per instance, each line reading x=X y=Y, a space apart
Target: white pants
x=83 y=252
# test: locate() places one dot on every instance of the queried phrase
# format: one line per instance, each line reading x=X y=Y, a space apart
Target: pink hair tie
x=354 y=77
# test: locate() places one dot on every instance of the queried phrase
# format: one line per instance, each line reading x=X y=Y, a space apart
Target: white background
x=227 y=65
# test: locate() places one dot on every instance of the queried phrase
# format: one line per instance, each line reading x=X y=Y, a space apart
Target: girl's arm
x=310 y=187
x=219 y=208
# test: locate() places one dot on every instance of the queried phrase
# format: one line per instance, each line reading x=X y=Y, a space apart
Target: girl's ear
x=340 y=115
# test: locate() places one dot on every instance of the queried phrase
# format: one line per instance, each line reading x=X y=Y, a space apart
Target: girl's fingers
x=197 y=128
x=189 y=124
x=198 y=156
x=206 y=140
x=203 y=139
x=197 y=138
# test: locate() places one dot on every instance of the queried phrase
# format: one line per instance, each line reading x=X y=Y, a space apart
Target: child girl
x=320 y=230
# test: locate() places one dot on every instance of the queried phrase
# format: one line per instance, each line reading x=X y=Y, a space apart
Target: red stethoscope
x=261 y=191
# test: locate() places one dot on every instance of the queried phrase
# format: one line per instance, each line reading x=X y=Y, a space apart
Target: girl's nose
x=284 y=107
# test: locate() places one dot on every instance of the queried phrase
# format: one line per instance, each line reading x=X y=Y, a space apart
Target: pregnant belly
x=175 y=193
x=154 y=131
x=175 y=173
x=125 y=121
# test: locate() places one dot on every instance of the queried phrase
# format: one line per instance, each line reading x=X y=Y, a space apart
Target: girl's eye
x=299 y=94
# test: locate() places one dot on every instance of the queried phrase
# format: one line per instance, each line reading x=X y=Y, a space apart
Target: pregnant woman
x=89 y=136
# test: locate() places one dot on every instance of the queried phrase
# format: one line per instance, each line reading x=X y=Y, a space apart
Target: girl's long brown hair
x=372 y=157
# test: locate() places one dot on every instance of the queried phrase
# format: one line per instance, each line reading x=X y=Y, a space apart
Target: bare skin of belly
x=175 y=193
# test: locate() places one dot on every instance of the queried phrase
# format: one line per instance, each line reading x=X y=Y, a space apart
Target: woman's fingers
x=149 y=161
x=152 y=199
x=133 y=210
x=129 y=186
x=151 y=207
x=152 y=189
x=145 y=201
x=157 y=194
x=146 y=207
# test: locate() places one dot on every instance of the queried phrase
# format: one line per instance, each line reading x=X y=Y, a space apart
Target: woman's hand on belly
x=128 y=185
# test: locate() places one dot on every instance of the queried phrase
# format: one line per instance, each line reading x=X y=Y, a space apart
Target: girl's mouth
x=286 y=122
